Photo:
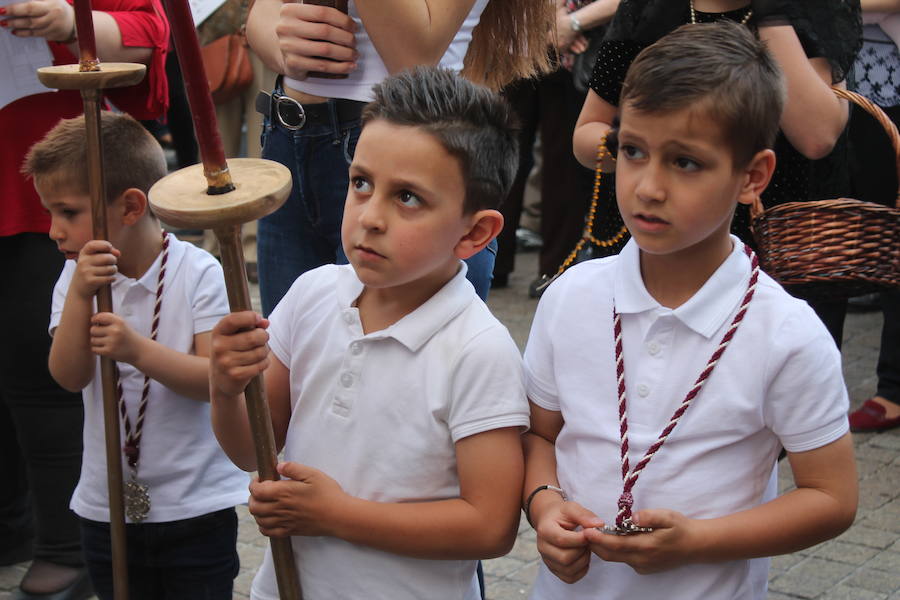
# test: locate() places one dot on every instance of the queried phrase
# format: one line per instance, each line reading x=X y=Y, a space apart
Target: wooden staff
x=258 y=188
x=90 y=79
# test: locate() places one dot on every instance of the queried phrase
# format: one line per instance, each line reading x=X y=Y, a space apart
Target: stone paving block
x=525 y=550
x=785 y=561
x=874 y=580
x=500 y=567
x=889 y=440
x=852 y=554
x=506 y=590
x=880 y=519
x=886 y=561
x=777 y=596
x=868 y=536
x=845 y=592
x=811 y=578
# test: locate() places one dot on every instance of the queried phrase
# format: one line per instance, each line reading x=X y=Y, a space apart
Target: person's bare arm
x=813 y=116
x=407 y=33
x=55 y=21
x=238 y=352
x=480 y=523
x=593 y=123
x=822 y=506
x=890 y=6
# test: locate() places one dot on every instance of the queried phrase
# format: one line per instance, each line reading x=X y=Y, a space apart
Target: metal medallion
x=627 y=528
x=137 y=501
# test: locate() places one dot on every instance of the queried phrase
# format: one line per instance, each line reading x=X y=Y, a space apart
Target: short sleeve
x=60 y=289
x=487 y=390
x=613 y=60
x=540 y=378
x=806 y=401
x=210 y=298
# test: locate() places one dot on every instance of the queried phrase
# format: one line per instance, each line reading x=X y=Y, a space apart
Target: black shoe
x=79 y=589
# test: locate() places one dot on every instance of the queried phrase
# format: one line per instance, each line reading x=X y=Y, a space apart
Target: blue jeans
x=189 y=559
x=305 y=232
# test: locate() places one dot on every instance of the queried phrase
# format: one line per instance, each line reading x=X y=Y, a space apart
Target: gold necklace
x=743 y=20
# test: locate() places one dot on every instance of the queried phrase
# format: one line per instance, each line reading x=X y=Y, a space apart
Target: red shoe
x=871 y=417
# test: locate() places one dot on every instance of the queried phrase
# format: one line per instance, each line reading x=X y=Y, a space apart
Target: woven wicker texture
x=833 y=248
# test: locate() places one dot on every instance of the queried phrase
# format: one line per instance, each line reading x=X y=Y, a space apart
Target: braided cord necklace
x=624 y=523
x=137 y=495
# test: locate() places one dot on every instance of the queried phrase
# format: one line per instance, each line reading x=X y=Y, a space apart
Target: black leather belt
x=293 y=115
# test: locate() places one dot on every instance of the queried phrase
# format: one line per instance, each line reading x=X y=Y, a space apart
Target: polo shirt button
x=356 y=348
x=643 y=390
x=346 y=380
x=653 y=348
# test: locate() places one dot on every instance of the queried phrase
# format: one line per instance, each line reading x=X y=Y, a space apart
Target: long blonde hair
x=510 y=42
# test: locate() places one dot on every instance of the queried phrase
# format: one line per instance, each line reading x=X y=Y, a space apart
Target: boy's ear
x=485 y=226
x=758 y=173
x=133 y=204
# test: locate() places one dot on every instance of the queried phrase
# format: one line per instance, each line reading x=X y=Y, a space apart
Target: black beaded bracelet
x=527 y=506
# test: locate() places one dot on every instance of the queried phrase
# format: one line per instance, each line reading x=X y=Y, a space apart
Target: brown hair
x=474 y=124
x=721 y=65
x=132 y=158
x=510 y=42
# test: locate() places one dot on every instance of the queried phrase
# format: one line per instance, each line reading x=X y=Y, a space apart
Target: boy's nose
x=371 y=215
x=651 y=185
x=56 y=232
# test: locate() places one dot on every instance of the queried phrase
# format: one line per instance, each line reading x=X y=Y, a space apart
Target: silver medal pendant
x=137 y=501
x=627 y=528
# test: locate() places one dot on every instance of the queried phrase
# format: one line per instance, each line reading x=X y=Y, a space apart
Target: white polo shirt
x=380 y=413
x=778 y=383
x=181 y=462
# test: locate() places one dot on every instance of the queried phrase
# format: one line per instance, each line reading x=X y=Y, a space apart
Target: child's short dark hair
x=722 y=65
x=132 y=158
x=471 y=122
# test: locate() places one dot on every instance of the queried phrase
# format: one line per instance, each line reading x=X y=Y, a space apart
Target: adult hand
x=305 y=503
x=50 y=19
x=669 y=545
x=561 y=541
x=96 y=267
x=238 y=352
x=315 y=38
x=567 y=39
x=111 y=336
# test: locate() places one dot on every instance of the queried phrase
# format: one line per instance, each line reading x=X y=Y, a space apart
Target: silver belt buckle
x=289 y=104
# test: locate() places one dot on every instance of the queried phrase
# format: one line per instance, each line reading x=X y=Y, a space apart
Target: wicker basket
x=833 y=248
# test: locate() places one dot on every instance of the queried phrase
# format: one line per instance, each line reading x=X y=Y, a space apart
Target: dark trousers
x=190 y=559
x=550 y=105
x=874 y=175
x=40 y=423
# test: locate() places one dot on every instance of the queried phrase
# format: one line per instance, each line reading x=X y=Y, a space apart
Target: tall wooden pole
x=221 y=185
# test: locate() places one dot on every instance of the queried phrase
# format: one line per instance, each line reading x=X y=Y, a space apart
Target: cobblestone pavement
x=861 y=564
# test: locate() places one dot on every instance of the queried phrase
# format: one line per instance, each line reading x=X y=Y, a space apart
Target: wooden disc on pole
x=180 y=199
x=112 y=75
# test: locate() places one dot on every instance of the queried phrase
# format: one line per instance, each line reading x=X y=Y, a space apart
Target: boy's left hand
x=112 y=337
x=301 y=504
x=669 y=545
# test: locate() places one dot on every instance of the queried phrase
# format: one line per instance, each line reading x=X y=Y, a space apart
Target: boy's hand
x=561 y=540
x=96 y=267
x=50 y=19
x=301 y=504
x=307 y=34
x=669 y=545
x=238 y=352
x=111 y=336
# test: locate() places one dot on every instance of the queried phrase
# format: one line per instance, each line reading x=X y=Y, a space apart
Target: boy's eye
x=409 y=199
x=69 y=213
x=687 y=164
x=360 y=184
x=630 y=152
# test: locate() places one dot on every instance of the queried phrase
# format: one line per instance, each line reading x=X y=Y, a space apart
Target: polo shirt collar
x=417 y=327
x=705 y=311
x=149 y=279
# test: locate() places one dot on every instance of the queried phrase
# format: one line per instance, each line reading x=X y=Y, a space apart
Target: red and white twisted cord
x=630 y=477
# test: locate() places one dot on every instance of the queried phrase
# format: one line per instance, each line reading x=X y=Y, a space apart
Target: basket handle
x=889 y=127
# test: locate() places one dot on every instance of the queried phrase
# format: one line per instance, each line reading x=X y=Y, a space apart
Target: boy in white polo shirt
x=664 y=381
x=180 y=487
x=397 y=397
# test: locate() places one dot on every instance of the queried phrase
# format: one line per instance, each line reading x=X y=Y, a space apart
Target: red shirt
x=142 y=23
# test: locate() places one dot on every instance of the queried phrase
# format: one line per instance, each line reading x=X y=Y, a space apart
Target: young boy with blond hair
x=396 y=396
x=180 y=488
x=664 y=381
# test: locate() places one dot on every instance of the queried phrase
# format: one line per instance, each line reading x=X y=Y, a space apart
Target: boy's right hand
x=238 y=352
x=315 y=38
x=561 y=541
x=95 y=268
